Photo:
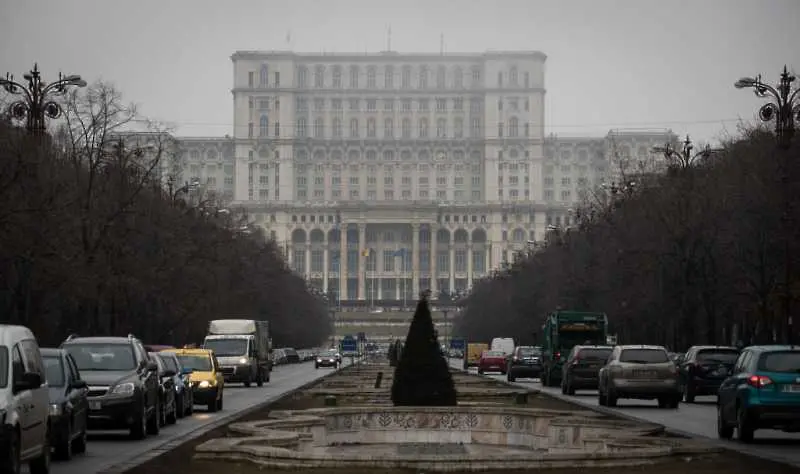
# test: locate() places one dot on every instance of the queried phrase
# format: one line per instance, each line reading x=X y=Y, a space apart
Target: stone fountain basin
x=439 y=439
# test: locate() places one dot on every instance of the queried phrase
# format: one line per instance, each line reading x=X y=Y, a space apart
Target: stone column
x=434 y=253
x=290 y=255
x=342 y=261
x=362 y=261
x=470 y=268
x=307 y=271
x=452 y=272
x=414 y=261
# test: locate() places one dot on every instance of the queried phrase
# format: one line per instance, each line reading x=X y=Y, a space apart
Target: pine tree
x=422 y=376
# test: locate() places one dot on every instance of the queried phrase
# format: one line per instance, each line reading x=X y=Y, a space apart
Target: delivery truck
x=243 y=348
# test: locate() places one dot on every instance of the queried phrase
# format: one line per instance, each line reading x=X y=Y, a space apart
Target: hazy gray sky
x=611 y=63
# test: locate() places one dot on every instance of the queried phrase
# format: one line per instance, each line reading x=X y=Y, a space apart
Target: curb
x=169 y=445
x=741 y=449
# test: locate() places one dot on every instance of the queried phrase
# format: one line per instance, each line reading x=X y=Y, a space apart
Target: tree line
x=91 y=243
x=706 y=253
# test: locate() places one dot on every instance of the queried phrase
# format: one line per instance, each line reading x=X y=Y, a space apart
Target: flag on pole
x=365 y=253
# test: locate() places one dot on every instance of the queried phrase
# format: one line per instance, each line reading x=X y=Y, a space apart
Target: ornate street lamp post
x=684 y=158
x=36 y=103
x=783 y=107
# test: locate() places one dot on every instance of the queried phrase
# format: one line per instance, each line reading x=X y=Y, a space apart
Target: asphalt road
x=109 y=448
x=695 y=419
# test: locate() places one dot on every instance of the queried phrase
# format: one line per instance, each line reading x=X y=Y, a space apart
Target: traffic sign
x=348 y=345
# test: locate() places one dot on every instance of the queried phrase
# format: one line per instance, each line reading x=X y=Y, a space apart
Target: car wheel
x=220 y=402
x=79 y=443
x=180 y=411
x=41 y=463
x=260 y=378
x=602 y=400
x=154 y=421
x=64 y=446
x=172 y=416
x=611 y=399
x=190 y=405
x=724 y=430
x=744 y=425
x=139 y=429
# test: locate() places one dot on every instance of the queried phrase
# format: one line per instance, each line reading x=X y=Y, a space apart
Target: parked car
x=492 y=361
x=582 y=368
x=123 y=383
x=762 y=392
x=327 y=359
x=639 y=372
x=703 y=369
x=208 y=383
x=526 y=361
x=69 y=403
x=166 y=378
x=24 y=402
x=279 y=357
x=184 y=393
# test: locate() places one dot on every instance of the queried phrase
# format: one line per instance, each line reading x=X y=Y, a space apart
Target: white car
x=24 y=402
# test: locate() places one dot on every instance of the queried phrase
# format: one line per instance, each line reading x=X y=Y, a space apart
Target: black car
x=292 y=357
x=581 y=370
x=703 y=369
x=184 y=392
x=327 y=359
x=123 y=383
x=169 y=410
x=69 y=403
x=526 y=361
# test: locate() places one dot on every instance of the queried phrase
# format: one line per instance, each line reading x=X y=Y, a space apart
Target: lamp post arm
x=15 y=88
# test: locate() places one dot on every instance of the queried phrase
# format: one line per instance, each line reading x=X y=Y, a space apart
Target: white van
x=503 y=344
x=24 y=402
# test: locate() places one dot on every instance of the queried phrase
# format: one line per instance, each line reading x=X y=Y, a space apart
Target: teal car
x=762 y=392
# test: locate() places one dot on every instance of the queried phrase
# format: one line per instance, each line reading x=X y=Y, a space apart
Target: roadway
x=691 y=419
x=106 y=449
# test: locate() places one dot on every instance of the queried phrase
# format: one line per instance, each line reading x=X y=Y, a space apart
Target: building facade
x=384 y=174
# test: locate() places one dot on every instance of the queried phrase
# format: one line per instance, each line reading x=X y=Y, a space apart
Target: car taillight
x=759 y=381
x=557 y=355
x=516 y=359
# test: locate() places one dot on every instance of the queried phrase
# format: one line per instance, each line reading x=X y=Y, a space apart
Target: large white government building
x=384 y=174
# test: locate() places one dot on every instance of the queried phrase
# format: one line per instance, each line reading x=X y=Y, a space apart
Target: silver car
x=639 y=372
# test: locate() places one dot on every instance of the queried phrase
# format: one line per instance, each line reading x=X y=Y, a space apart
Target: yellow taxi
x=206 y=376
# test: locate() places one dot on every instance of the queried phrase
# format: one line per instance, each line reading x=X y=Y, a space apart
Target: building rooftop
x=395 y=55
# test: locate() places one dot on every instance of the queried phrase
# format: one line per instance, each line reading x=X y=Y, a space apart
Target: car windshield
x=111 y=357
x=594 y=354
x=227 y=347
x=787 y=362
x=199 y=363
x=720 y=356
x=54 y=371
x=529 y=351
x=3 y=366
x=329 y=354
x=158 y=361
x=169 y=362
x=643 y=356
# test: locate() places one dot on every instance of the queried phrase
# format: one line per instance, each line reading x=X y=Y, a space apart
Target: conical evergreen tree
x=422 y=376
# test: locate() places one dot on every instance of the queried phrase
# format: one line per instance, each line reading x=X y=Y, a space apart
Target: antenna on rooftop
x=441 y=44
x=389 y=38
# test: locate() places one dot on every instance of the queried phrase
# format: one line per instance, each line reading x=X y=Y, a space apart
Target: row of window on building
x=510 y=78
x=392 y=261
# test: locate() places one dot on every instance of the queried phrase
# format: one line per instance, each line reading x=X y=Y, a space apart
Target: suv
x=581 y=369
x=24 y=402
x=123 y=382
x=526 y=361
x=762 y=392
x=703 y=369
x=639 y=372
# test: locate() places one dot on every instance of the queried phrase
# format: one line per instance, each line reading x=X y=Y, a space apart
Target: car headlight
x=126 y=388
x=55 y=409
x=319 y=360
x=243 y=360
x=204 y=384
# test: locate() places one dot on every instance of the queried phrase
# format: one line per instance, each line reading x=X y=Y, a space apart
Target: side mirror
x=152 y=366
x=28 y=381
x=78 y=385
x=169 y=373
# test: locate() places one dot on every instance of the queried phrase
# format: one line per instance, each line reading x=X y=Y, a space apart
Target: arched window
x=388 y=128
x=441 y=128
x=263 y=126
x=263 y=76
x=406 y=128
x=301 y=127
x=354 y=128
x=337 y=128
x=371 y=128
x=513 y=76
x=423 y=128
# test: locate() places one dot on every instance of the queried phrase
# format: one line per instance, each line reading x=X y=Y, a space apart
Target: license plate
x=644 y=373
x=792 y=388
x=95 y=405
